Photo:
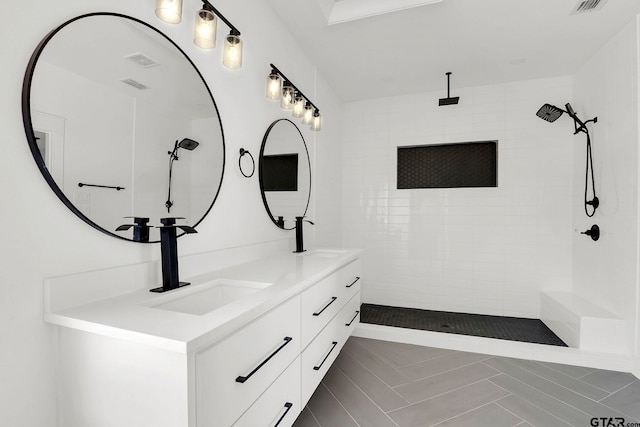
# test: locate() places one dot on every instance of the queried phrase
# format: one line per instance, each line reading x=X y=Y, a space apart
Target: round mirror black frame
x=261 y=170
x=31 y=138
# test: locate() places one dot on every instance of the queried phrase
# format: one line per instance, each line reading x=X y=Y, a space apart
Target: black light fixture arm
x=210 y=7
x=285 y=78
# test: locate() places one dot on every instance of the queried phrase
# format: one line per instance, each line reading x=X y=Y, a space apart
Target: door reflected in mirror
x=285 y=173
x=108 y=102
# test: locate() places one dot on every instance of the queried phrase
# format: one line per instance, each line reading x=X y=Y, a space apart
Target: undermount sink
x=326 y=253
x=203 y=299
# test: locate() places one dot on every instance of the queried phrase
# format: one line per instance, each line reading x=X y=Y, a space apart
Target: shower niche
x=456 y=165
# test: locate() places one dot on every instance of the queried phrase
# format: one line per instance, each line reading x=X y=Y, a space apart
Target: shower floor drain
x=479 y=325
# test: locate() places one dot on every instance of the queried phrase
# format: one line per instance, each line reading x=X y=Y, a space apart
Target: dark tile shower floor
x=479 y=325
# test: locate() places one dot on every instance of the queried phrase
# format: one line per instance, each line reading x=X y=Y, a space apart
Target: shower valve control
x=593 y=232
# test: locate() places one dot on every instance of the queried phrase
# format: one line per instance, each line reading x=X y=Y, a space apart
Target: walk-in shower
x=551 y=113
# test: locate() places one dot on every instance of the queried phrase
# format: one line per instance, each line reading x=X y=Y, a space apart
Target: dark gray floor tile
x=488 y=415
x=306 y=419
x=554 y=376
x=561 y=393
x=445 y=382
x=441 y=364
x=610 y=381
x=404 y=354
x=560 y=410
x=530 y=413
x=327 y=411
x=626 y=400
x=448 y=405
x=383 y=395
x=358 y=405
x=383 y=370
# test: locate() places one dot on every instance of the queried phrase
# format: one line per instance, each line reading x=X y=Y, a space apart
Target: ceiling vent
x=588 y=6
x=142 y=60
x=135 y=84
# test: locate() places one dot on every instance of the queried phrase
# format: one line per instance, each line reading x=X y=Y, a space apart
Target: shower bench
x=581 y=323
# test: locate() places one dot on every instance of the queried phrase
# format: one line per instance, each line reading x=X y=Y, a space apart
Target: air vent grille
x=135 y=84
x=588 y=6
x=142 y=60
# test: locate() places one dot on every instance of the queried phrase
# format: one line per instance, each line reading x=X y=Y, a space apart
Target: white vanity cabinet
x=233 y=373
x=125 y=362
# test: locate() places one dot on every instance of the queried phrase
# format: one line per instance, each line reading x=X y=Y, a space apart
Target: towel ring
x=253 y=163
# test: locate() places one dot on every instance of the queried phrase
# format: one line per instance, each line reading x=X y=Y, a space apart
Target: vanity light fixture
x=206 y=26
x=279 y=87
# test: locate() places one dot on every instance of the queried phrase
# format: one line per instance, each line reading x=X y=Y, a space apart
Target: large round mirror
x=122 y=125
x=285 y=173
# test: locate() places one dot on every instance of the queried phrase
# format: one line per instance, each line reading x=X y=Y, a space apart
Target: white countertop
x=132 y=315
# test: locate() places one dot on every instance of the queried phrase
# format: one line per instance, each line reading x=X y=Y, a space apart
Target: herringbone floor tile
x=378 y=383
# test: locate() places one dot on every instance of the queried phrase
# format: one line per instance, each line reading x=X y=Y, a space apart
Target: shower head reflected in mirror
x=188 y=144
x=550 y=113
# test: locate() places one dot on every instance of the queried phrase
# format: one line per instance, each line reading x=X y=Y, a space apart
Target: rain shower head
x=549 y=112
x=448 y=100
x=188 y=144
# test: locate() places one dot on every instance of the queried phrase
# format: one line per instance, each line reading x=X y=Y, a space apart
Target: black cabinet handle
x=333 y=346
x=354 y=282
x=318 y=313
x=242 y=379
x=287 y=405
x=354 y=318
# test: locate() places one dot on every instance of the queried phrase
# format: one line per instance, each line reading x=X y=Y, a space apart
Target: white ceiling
x=480 y=41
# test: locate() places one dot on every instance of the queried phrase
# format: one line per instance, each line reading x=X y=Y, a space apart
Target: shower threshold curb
x=496 y=347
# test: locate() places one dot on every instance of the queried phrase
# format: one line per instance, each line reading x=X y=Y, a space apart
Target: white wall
x=42 y=238
x=475 y=250
x=606 y=86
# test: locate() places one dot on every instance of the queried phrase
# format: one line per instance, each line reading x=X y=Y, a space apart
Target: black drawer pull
x=354 y=318
x=333 y=346
x=287 y=405
x=242 y=379
x=318 y=313
x=354 y=282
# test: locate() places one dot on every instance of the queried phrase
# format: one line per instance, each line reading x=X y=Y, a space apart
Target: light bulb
x=298 y=106
x=232 y=56
x=205 y=29
x=286 y=102
x=308 y=114
x=274 y=86
x=170 y=11
x=316 y=123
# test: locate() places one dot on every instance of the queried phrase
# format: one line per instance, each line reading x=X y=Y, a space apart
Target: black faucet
x=169 y=251
x=140 y=228
x=299 y=239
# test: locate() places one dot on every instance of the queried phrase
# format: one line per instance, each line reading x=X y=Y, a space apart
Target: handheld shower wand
x=187 y=144
x=551 y=113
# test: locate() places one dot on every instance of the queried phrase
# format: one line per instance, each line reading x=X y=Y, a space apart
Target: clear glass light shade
x=170 y=11
x=205 y=29
x=274 y=87
x=307 y=117
x=298 y=106
x=232 y=56
x=316 y=123
x=286 y=102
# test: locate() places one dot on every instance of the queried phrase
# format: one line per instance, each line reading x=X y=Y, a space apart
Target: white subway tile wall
x=474 y=250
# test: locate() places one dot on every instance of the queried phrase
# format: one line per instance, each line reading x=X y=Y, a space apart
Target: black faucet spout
x=169 y=253
x=299 y=235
